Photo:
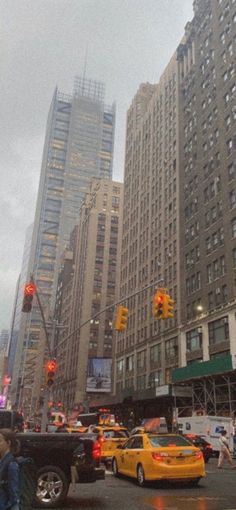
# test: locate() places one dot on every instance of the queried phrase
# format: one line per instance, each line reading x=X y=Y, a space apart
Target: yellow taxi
x=76 y=429
x=110 y=437
x=151 y=456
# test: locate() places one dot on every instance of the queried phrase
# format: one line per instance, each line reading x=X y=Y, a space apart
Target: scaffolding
x=94 y=90
x=210 y=395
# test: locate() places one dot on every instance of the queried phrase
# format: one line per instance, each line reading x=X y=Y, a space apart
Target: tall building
x=4 y=339
x=78 y=145
x=207 y=98
x=85 y=356
x=179 y=227
x=18 y=320
x=148 y=350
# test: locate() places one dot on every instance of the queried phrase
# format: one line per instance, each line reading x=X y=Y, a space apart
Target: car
x=110 y=438
x=153 y=457
x=202 y=444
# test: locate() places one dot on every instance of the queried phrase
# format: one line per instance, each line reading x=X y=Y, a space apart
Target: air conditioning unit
x=225 y=320
x=199 y=330
x=218 y=290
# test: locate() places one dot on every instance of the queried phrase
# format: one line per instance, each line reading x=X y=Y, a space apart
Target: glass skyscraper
x=78 y=146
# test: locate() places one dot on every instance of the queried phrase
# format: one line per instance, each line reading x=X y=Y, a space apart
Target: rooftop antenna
x=85 y=68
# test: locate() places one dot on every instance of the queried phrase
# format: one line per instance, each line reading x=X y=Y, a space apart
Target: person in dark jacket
x=9 y=471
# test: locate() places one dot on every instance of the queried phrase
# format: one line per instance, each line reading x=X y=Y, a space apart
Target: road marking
x=108 y=472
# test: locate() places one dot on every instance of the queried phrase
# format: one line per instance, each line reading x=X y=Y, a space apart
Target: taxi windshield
x=165 y=441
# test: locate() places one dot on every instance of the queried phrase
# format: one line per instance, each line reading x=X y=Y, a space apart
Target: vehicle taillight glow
x=209 y=446
x=96 y=450
x=101 y=440
x=198 y=455
x=159 y=456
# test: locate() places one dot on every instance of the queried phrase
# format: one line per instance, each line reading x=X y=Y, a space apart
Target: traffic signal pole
x=43 y=318
x=113 y=306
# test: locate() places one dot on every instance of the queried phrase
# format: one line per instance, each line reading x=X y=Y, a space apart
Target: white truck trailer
x=209 y=427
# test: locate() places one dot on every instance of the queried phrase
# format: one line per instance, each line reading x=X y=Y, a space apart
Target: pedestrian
x=224 y=450
x=9 y=471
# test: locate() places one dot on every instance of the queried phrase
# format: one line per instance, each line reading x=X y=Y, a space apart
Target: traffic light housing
x=168 y=312
x=51 y=367
x=121 y=318
x=162 y=305
x=29 y=291
x=158 y=305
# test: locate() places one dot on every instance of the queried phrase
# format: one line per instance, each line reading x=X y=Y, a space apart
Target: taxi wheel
x=195 y=482
x=140 y=475
x=114 y=467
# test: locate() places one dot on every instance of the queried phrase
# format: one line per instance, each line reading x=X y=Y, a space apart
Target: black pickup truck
x=61 y=459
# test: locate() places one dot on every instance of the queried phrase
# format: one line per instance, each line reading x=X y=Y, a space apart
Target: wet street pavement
x=216 y=492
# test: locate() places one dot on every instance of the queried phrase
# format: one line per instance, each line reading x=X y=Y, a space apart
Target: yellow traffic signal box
x=162 y=307
x=168 y=309
x=158 y=305
x=121 y=318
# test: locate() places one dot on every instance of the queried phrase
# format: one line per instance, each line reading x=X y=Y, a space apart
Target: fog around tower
x=44 y=44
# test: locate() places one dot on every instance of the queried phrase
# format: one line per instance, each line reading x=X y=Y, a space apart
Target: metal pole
x=112 y=306
x=44 y=420
x=43 y=318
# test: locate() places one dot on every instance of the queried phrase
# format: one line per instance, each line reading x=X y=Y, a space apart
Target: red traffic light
x=51 y=366
x=29 y=289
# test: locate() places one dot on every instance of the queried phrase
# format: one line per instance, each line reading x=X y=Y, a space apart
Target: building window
x=233 y=227
x=171 y=348
x=141 y=359
x=141 y=382
x=120 y=367
x=218 y=331
x=224 y=293
x=231 y=171
x=129 y=363
x=234 y=257
x=229 y=144
x=155 y=353
x=155 y=379
x=210 y=300
x=232 y=199
x=194 y=340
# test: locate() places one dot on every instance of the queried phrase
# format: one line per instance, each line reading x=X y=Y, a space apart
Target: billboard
x=3 y=401
x=99 y=375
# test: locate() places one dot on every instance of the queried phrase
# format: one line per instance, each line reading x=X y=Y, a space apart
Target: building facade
x=207 y=98
x=78 y=145
x=179 y=226
x=148 y=350
x=92 y=288
x=16 y=349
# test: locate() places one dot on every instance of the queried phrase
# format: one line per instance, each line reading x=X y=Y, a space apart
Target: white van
x=209 y=427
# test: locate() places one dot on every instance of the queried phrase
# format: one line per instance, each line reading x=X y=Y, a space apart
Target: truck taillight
x=96 y=450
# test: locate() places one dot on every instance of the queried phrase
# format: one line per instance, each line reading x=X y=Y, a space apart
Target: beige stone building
x=148 y=350
x=90 y=288
x=180 y=226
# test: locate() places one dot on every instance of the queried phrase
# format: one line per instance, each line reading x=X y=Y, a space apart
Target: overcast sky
x=43 y=44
